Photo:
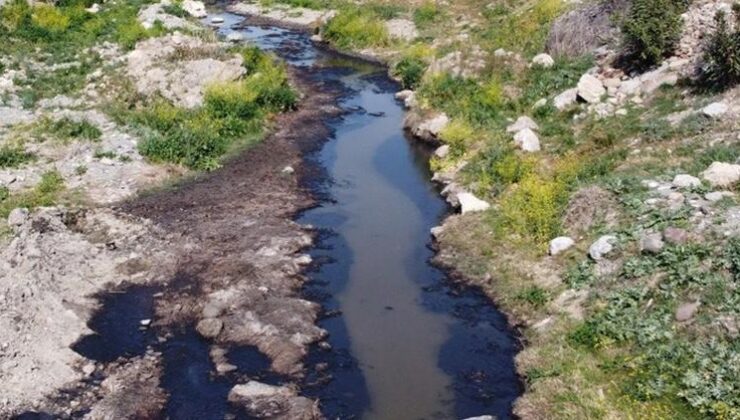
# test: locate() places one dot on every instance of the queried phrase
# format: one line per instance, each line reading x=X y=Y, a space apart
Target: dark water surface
x=405 y=342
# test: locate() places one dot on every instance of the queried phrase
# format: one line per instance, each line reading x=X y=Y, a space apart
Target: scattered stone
x=442 y=151
x=195 y=8
x=629 y=87
x=317 y=38
x=430 y=129
x=730 y=324
x=269 y=401
x=17 y=217
x=721 y=174
x=522 y=123
x=145 y=322
x=404 y=94
x=225 y=368
x=652 y=243
x=715 y=110
x=653 y=80
x=527 y=140
x=590 y=89
x=565 y=99
x=95 y=8
x=600 y=249
x=543 y=60
x=288 y=170
x=686 y=181
x=210 y=327
x=88 y=369
x=481 y=418
x=539 y=104
x=715 y=196
x=471 y=204
x=675 y=236
x=561 y=244
x=437 y=231
x=217 y=20
x=686 y=311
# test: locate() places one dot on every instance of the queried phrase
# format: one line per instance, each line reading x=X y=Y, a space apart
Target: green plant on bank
x=46 y=193
x=721 y=63
x=651 y=30
x=522 y=30
x=66 y=130
x=426 y=14
x=356 y=28
x=232 y=115
x=14 y=156
x=410 y=70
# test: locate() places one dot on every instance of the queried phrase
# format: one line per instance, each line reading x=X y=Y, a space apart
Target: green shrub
x=410 y=71
x=356 y=28
x=15 y=14
x=721 y=63
x=66 y=129
x=11 y=157
x=231 y=99
x=651 y=30
x=130 y=32
x=535 y=296
x=44 y=194
x=534 y=206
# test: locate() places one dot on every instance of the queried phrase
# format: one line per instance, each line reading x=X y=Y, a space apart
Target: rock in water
x=210 y=327
x=275 y=402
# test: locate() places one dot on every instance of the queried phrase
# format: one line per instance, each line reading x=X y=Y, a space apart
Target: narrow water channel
x=406 y=343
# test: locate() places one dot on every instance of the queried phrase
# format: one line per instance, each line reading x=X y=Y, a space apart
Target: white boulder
x=565 y=99
x=17 y=217
x=590 y=89
x=543 y=60
x=561 y=244
x=522 y=123
x=686 y=181
x=195 y=8
x=602 y=247
x=527 y=140
x=721 y=174
x=715 y=110
x=471 y=204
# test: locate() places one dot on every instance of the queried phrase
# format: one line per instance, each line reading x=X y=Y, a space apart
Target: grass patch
x=46 y=193
x=233 y=115
x=14 y=156
x=356 y=28
x=66 y=130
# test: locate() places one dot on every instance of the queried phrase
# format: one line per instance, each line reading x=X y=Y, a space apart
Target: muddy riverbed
x=364 y=328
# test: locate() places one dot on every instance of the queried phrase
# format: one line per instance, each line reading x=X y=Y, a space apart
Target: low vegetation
x=46 y=193
x=652 y=29
x=721 y=68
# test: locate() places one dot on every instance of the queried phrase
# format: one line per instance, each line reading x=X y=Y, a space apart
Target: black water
x=405 y=342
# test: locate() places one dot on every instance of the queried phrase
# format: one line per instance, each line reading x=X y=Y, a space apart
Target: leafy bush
x=651 y=30
x=356 y=28
x=535 y=296
x=410 y=71
x=721 y=63
x=130 y=32
x=15 y=14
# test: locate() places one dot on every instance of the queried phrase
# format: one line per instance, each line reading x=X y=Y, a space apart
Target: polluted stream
x=404 y=341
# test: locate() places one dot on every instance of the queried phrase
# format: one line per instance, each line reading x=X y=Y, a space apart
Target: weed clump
x=11 y=157
x=410 y=70
x=356 y=28
x=721 y=61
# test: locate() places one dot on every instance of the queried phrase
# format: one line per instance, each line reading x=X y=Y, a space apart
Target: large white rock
x=432 y=127
x=442 y=151
x=653 y=80
x=543 y=60
x=565 y=99
x=471 y=204
x=590 y=89
x=561 y=244
x=522 y=123
x=715 y=110
x=602 y=247
x=195 y=8
x=721 y=174
x=527 y=140
x=686 y=181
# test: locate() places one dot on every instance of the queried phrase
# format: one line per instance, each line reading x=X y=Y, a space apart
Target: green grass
x=14 y=156
x=66 y=130
x=46 y=193
x=233 y=115
x=356 y=28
